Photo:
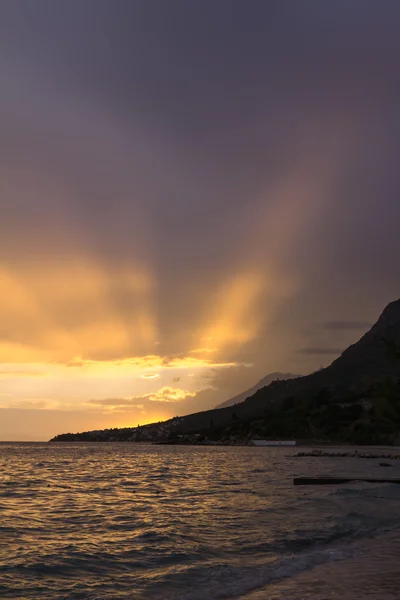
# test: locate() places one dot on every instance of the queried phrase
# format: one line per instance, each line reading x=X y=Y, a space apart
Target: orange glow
x=81 y=336
x=234 y=319
x=60 y=311
x=145 y=362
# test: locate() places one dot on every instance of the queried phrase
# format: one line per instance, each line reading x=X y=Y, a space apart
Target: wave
x=385 y=491
x=231 y=582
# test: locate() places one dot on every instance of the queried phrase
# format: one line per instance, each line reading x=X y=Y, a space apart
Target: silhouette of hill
x=356 y=398
x=264 y=382
x=353 y=374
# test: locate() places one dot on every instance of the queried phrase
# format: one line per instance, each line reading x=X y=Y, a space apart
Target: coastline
x=312 y=446
x=372 y=574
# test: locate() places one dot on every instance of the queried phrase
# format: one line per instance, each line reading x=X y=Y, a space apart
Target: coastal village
x=158 y=433
x=166 y=433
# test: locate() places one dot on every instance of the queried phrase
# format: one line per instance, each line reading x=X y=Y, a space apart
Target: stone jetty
x=355 y=454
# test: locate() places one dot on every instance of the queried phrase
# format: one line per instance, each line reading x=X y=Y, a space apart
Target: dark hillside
x=265 y=381
x=356 y=398
x=365 y=362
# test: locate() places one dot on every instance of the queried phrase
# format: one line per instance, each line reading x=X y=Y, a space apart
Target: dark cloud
x=345 y=325
x=320 y=351
x=240 y=158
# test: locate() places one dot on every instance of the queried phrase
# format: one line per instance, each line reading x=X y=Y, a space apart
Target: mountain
x=356 y=399
x=264 y=382
x=353 y=378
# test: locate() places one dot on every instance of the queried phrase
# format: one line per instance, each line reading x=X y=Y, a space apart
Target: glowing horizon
x=175 y=224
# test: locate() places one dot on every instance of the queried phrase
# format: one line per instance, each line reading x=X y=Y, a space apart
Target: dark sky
x=209 y=179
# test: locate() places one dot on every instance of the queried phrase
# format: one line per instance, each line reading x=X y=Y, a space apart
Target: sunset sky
x=193 y=194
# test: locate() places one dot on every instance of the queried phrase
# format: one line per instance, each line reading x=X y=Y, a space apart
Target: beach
x=374 y=574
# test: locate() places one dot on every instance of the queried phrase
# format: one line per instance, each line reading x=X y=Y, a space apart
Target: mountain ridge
x=264 y=382
x=352 y=399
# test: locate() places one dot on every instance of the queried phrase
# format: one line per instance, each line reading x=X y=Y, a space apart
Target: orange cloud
x=148 y=362
x=117 y=402
x=165 y=394
x=168 y=394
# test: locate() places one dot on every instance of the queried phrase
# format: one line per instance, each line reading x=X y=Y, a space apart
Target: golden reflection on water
x=160 y=521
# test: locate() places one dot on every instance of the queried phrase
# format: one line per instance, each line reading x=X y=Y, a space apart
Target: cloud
x=319 y=351
x=169 y=394
x=217 y=387
x=21 y=373
x=125 y=244
x=117 y=402
x=164 y=394
x=345 y=325
x=151 y=362
x=29 y=404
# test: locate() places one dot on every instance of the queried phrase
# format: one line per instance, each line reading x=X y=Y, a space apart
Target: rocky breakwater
x=354 y=454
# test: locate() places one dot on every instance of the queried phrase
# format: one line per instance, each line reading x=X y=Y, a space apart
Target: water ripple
x=111 y=521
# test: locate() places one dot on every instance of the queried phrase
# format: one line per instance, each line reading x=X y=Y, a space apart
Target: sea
x=127 y=521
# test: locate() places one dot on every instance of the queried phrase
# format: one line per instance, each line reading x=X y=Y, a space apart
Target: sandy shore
x=373 y=575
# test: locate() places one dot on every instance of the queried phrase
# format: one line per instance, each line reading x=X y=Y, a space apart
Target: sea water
x=129 y=521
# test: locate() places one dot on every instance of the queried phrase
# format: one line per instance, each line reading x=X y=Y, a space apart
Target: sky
x=192 y=195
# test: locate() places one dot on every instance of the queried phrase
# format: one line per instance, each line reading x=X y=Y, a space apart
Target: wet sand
x=372 y=575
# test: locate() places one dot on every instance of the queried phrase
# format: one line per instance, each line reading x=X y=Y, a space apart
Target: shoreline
x=314 y=446
x=373 y=573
